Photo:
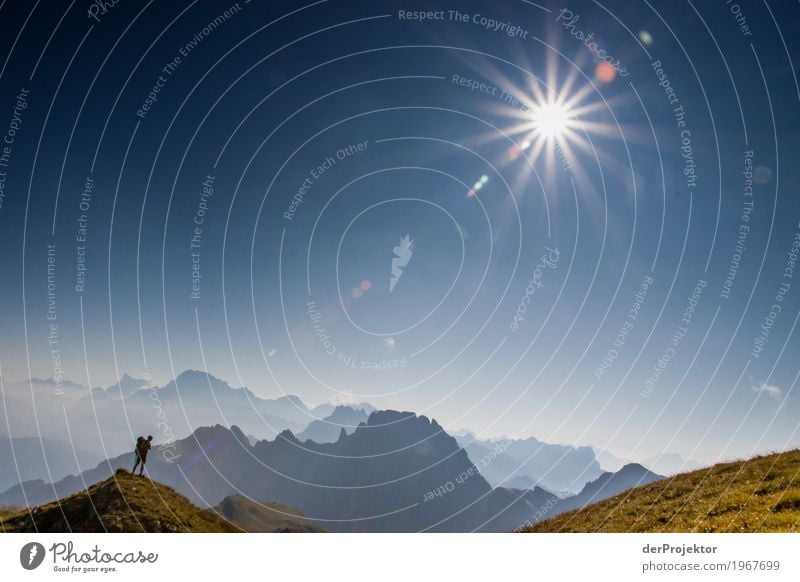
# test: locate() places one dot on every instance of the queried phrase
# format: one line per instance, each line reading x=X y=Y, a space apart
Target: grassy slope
x=122 y=503
x=761 y=494
x=7 y=511
x=264 y=517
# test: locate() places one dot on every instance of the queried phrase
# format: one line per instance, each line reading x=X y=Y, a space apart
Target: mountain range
x=759 y=494
x=395 y=472
x=105 y=421
x=341 y=418
x=524 y=463
x=347 y=467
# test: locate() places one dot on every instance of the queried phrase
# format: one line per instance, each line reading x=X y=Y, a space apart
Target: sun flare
x=551 y=120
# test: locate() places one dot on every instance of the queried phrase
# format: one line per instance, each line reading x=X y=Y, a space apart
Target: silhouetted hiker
x=142 y=446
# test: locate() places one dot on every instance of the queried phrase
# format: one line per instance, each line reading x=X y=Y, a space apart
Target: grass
x=761 y=494
x=7 y=512
x=121 y=503
x=255 y=516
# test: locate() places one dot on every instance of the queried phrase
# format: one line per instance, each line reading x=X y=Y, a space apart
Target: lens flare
x=605 y=73
x=554 y=125
x=551 y=120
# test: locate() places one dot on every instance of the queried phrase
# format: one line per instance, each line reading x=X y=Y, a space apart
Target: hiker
x=142 y=446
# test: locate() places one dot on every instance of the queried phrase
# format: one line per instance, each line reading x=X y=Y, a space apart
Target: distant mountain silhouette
x=29 y=458
x=126 y=387
x=398 y=472
x=256 y=516
x=609 y=461
x=554 y=467
x=610 y=484
x=328 y=429
x=107 y=421
x=506 y=510
x=521 y=482
x=122 y=503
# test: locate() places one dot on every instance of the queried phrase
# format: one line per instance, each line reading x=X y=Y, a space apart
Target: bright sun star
x=559 y=117
x=551 y=120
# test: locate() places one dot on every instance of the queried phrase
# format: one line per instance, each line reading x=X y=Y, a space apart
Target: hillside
x=7 y=512
x=121 y=503
x=254 y=516
x=761 y=494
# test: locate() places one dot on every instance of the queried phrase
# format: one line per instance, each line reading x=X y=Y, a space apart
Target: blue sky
x=266 y=110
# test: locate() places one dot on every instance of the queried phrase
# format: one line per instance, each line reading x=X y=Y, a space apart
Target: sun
x=551 y=120
x=556 y=123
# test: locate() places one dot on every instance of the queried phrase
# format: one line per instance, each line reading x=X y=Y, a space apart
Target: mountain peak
x=194 y=375
x=383 y=417
x=239 y=435
x=292 y=399
x=636 y=471
x=218 y=431
x=127 y=385
x=286 y=436
x=52 y=382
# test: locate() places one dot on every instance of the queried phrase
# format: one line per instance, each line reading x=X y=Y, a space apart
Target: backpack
x=140 y=443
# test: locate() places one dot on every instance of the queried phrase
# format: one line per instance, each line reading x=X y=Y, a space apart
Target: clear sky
x=227 y=186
